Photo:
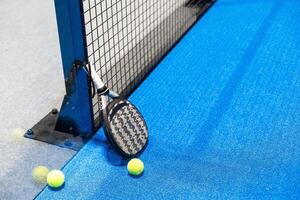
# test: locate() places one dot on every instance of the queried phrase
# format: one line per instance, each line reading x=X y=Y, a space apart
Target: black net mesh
x=125 y=39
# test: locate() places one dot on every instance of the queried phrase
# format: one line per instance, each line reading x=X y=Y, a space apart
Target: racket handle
x=96 y=79
x=101 y=88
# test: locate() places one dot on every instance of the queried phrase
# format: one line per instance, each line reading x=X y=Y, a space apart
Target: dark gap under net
x=125 y=40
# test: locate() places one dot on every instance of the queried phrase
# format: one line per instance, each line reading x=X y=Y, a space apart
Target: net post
x=72 y=126
x=76 y=110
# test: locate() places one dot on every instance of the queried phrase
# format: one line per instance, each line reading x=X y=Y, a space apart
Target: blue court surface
x=223 y=112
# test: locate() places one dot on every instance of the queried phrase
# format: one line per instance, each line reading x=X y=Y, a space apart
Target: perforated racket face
x=126 y=128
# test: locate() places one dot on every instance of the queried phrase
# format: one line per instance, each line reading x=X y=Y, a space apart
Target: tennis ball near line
x=39 y=174
x=135 y=167
x=55 y=178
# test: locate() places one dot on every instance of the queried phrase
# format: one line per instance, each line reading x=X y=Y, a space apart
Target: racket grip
x=96 y=79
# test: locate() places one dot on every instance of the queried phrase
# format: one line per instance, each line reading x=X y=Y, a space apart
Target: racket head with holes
x=125 y=128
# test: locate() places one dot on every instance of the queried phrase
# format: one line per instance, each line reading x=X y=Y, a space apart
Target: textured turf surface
x=223 y=110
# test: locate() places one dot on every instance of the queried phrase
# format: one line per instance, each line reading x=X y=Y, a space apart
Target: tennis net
x=125 y=40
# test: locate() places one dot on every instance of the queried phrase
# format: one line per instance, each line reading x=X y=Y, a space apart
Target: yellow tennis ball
x=16 y=135
x=39 y=174
x=135 y=167
x=55 y=178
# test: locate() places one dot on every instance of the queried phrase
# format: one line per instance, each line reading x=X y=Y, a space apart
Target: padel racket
x=125 y=127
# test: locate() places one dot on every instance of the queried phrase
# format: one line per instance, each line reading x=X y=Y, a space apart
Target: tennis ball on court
x=39 y=174
x=16 y=135
x=55 y=178
x=135 y=167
